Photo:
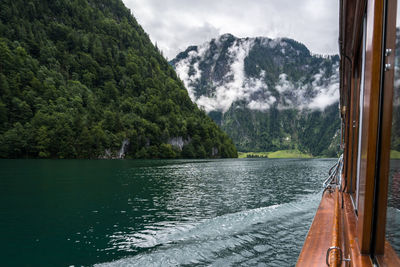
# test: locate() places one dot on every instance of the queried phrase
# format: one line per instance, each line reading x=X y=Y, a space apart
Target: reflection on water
x=177 y=212
x=393 y=219
x=393 y=212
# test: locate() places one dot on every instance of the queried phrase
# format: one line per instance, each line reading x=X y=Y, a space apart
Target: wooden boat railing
x=334 y=254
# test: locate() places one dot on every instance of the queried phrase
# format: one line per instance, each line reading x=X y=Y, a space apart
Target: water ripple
x=242 y=212
x=262 y=235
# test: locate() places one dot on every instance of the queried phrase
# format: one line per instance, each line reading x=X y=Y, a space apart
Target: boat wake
x=271 y=236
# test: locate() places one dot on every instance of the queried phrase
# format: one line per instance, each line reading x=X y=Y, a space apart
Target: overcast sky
x=176 y=24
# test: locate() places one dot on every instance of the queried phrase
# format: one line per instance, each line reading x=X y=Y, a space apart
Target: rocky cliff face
x=268 y=94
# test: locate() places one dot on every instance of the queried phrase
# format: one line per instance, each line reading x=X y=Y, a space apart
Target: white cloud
x=326 y=97
x=283 y=84
x=176 y=24
x=327 y=93
x=182 y=69
x=261 y=105
x=228 y=92
x=233 y=86
x=236 y=86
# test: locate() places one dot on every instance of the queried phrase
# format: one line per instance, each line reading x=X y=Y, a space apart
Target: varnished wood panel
x=356 y=121
x=353 y=127
x=351 y=246
x=390 y=258
x=350 y=39
x=319 y=238
x=385 y=131
x=335 y=255
x=370 y=122
x=356 y=40
x=320 y=234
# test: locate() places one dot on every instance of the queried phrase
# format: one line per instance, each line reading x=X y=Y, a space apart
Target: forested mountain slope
x=267 y=94
x=81 y=79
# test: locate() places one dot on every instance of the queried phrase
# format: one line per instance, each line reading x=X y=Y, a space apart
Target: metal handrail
x=334 y=182
x=335 y=175
x=341 y=258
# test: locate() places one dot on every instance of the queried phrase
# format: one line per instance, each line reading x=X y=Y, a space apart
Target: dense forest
x=80 y=78
x=314 y=132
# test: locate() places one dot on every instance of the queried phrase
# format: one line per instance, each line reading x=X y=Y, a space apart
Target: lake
x=157 y=212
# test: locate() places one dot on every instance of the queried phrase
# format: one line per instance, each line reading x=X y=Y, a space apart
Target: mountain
x=81 y=79
x=267 y=94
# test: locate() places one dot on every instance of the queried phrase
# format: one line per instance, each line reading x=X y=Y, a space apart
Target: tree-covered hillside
x=80 y=78
x=311 y=132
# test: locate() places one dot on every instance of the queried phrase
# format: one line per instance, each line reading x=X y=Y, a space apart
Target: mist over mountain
x=267 y=94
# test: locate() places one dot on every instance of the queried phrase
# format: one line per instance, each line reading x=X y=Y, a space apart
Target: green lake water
x=243 y=212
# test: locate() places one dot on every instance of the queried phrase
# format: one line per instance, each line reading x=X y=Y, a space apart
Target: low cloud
x=233 y=87
x=261 y=105
x=227 y=93
x=325 y=97
x=176 y=24
x=236 y=86
x=325 y=91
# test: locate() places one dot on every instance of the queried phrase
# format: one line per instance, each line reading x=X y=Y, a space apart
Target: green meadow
x=283 y=154
x=394 y=154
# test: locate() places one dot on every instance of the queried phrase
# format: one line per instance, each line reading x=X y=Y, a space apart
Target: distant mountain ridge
x=267 y=94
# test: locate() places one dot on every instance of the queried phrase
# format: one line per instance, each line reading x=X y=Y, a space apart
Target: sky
x=176 y=24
